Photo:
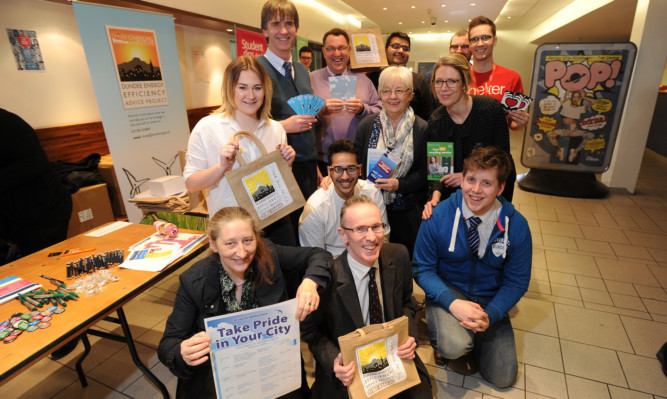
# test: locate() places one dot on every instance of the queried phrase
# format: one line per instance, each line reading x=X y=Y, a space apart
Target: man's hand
x=470 y=314
x=298 y=123
x=333 y=105
x=344 y=373
x=354 y=106
x=407 y=350
x=518 y=119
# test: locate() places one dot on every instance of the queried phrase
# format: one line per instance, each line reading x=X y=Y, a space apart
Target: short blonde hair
x=392 y=73
x=458 y=62
x=231 y=78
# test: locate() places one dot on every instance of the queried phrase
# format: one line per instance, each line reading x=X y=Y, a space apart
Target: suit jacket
x=339 y=313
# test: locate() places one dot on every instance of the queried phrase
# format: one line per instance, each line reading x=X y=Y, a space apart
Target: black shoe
x=439 y=360
x=465 y=365
x=65 y=349
x=662 y=353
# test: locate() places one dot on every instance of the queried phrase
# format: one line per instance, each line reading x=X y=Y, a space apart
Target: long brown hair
x=262 y=257
x=231 y=78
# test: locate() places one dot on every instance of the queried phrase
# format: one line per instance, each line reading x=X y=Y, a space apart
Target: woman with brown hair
x=243 y=272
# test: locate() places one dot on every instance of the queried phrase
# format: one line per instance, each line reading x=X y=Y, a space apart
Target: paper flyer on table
x=156 y=252
x=256 y=353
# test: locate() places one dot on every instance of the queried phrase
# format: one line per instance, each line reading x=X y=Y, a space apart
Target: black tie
x=287 y=66
x=374 y=306
x=472 y=234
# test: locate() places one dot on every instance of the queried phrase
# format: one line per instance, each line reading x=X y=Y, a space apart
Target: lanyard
x=474 y=81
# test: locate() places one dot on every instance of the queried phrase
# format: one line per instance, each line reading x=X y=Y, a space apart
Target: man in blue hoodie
x=473 y=258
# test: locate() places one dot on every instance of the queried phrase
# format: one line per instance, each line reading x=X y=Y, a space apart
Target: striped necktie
x=472 y=234
x=287 y=66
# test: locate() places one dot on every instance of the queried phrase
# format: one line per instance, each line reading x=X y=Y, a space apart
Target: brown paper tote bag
x=367 y=50
x=380 y=373
x=266 y=186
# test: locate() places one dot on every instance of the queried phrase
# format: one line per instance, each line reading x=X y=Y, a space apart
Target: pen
x=78 y=251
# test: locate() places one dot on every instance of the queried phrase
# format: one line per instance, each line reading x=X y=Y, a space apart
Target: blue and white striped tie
x=472 y=234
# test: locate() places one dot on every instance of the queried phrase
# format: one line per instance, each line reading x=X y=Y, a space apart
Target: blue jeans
x=494 y=349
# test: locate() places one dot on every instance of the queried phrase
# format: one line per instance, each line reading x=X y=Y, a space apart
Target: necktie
x=374 y=306
x=472 y=234
x=287 y=66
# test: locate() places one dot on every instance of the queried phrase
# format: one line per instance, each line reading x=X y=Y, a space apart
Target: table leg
x=135 y=356
x=86 y=351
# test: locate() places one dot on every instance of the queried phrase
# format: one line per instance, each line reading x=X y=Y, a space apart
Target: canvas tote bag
x=380 y=373
x=265 y=187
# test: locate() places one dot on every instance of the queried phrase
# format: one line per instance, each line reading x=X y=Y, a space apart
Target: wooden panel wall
x=71 y=143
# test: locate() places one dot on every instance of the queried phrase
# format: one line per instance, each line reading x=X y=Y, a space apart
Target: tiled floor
x=589 y=326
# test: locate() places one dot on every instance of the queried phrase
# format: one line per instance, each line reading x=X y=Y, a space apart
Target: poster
x=249 y=43
x=134 y=66
x=579 y=93
x=256 y=353
x=137 y=60
x=25 y=47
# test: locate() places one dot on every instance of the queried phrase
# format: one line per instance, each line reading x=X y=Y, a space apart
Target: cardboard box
x=105 y=168
x=90 y=208
x=166 y=186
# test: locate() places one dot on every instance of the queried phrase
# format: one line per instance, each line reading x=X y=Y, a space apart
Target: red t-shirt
x=495 y=82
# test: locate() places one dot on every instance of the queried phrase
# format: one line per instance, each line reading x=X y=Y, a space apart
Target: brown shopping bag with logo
x=266 y=186
x=379 y=372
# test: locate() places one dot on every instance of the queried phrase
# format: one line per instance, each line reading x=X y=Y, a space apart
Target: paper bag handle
x=253 y=138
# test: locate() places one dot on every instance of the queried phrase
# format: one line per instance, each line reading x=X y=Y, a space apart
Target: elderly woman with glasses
x=465 y=120
x=398 y=130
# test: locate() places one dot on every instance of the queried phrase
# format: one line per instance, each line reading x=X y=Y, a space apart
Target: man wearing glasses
x=339 y=119
x=319 y=222
x=460 y=44
x=488 y=78
x=397 y=48
x=372 y=283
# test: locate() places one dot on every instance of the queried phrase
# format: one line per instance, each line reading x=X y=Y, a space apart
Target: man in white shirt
x=319 y=222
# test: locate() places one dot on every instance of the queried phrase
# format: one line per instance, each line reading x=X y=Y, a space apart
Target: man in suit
x=372 y=283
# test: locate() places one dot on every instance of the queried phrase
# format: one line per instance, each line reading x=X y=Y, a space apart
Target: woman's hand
x=228 y=156
x=196 y=348
x=407 y=350
x=326 y=182
x=429 y=205
x=452 y=180
x=344 y=373
x=287 y=152
x=307 y=298
x=390 y=185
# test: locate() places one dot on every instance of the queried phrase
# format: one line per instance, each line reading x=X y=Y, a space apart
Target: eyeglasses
x=485 y=39
x=351 y=170
x=451 y=83
x=377 y=228
x=396 y=46
x=455 y=47
x=398 y=92
x=331 y=49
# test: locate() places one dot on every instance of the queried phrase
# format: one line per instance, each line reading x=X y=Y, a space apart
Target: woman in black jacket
x=243 y=272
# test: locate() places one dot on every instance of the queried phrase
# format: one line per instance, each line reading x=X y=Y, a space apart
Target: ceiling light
x=446 y=21
x=384 y=8
x=412 y=7
x=509 y=17
x=473 y=4
x=352 y=20
x=423 y=21
x=443 y=5
x=400 y=23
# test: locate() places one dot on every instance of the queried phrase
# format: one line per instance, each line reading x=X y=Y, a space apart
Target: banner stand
x=562 y=183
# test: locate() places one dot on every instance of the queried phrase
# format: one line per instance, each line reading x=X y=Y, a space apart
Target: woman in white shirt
x=246 y=105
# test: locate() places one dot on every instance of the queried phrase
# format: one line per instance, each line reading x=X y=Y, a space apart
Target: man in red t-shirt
x=488 y=78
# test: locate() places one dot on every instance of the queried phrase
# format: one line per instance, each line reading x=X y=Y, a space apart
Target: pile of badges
x=306 y=104
x=30 y=322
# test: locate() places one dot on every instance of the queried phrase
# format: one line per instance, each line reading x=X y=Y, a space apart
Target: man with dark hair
x=280 y=22
x=473 y=258
x=339 y=119
x=397 y=48
x=306 y=56
x=488 y=78
x=460 y=44
x=318 y=225
x=371 y=284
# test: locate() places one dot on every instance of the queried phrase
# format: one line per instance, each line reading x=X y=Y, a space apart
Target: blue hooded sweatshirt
x=443 y=259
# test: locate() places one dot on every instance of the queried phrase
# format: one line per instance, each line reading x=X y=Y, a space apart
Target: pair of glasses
x=451 y=83
x=377 y=228
x=485 y=39
x=340 y=49
x=455 y=47
x=351 y=170
x=398 y=92
x=396 y=46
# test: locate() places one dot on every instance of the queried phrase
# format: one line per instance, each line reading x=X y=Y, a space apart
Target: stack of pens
x=93 y=263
